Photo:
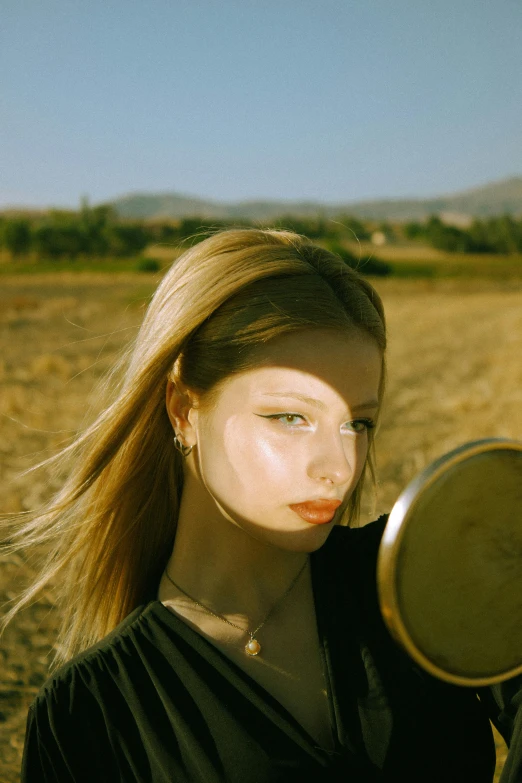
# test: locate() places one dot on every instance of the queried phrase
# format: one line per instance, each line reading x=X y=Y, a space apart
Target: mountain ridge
x=494 y=198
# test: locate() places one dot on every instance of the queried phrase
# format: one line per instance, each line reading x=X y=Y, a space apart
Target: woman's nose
x=334 y=459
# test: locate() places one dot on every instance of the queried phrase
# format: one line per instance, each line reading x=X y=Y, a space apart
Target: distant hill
x=496 y=198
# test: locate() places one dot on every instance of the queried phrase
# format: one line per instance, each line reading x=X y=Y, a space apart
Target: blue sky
x=334 y=100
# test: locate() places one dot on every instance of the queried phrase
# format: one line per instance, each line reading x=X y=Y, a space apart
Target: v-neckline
x=259 y=695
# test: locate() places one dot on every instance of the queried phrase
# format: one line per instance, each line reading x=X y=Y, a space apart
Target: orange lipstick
x=318 y=512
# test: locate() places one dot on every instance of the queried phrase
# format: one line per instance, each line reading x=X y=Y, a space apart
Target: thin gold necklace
x=252 y=647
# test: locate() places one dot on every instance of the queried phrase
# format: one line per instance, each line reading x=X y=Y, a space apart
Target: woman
x=222 y=614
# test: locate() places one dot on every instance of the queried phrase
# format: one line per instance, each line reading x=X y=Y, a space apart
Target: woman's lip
x=319 y=512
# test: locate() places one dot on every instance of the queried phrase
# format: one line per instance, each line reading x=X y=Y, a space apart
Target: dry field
x=454 y=375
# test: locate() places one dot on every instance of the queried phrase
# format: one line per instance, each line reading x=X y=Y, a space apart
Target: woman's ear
x=182 y=412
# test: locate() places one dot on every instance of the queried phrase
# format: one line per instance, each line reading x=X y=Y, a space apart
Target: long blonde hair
x=110 y=531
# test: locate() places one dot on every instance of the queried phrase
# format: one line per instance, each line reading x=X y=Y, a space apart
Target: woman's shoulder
x=106 y=660
x=104 y=696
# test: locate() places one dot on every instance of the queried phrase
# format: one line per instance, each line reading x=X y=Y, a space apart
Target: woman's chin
x=302 y=538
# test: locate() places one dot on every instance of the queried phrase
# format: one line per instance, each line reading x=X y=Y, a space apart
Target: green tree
x=349 y=228
x=17 y=236
x=127 y=239
x=505 y=234
x=448 y=238
x=414 y=230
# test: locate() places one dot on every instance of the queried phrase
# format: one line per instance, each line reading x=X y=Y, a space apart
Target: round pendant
x=252 y=647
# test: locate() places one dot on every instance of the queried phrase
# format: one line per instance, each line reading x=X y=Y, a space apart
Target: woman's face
x=292 y=430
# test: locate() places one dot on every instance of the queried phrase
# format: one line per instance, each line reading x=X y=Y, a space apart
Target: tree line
x=62 y=234
x=99 y=232
x=501 y=234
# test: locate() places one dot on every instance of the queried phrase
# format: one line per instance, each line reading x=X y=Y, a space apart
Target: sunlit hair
x=109 y=532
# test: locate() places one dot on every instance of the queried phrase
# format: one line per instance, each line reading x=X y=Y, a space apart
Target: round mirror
x=449 y=568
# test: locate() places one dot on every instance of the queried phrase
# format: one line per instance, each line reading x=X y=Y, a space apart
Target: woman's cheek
x=273 y=456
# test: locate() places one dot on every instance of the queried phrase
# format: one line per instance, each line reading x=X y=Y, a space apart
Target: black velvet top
x=155 y=701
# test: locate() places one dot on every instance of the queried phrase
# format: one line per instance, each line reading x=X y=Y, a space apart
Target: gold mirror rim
x=390 y=546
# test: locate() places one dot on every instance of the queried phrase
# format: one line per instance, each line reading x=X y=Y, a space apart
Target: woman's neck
x=224 y=567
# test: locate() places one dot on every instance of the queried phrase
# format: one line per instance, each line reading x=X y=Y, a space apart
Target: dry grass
x=454 y=375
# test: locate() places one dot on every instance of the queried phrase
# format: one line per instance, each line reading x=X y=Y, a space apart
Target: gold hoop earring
x=185 y=450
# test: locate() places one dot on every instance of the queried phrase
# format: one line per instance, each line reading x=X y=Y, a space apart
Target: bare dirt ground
x=454 y=375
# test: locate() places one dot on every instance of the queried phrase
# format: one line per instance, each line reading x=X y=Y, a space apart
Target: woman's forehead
x=315 y=369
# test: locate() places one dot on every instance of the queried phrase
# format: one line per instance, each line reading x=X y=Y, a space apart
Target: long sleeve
x=40 y=764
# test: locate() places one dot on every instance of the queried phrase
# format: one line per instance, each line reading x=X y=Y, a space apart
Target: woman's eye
x=357 y=426
x=287 y=418
x=361 y=425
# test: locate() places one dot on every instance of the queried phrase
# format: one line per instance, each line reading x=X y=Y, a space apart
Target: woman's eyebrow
x=317 y=403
